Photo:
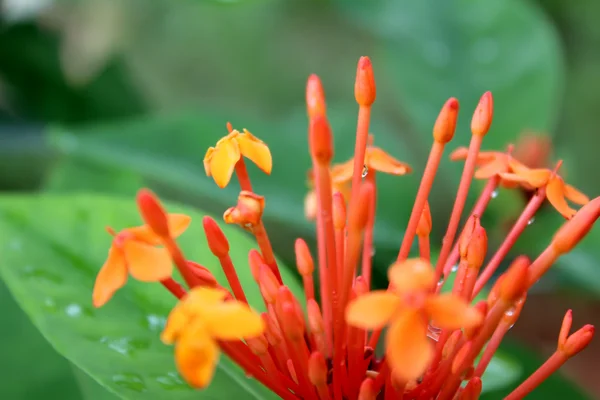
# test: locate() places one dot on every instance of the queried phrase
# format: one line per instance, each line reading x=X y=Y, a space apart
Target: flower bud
x=320 y=140
x=357 y=221
x=317 y=369
x=153 y=213
x=272 y=330
x=484 y=113
x=472 y=390
x=472 y=245
x=268 y=284
x=445 y=125
x=424 y=226
x=515 y=280
x=258 y=345
x=578 y=340
x=461 y=357
x=255 y=260
x=565 y=328
x=575 y=229
x=367 y=390
x=248 y=211
x=217 y=242
x=339 y=211
x=304 y=260
x=315 y=318
x=315 y=97
x=205 y=277
x=364 y=87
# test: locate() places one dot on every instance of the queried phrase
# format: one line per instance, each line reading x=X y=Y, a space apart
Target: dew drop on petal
x=494 y=194
x=365 y=171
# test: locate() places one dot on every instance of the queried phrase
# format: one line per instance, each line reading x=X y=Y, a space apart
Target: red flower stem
x=232 y=278
x=368 y=249
x=360 y=148
x=356 y=351
x=478 y=209
x=174 y=287
x=299 y=357
x=180 y=262
x=516 y=231
x=459 y=204
x=433 y=162
x=340 y=249
x=242 y=175
x=424 y=249
x=491 y=348
x=326 y=240
x=262 y=239
x=541 y=265
x=388 y=391
x=309 y=287
x=548 y=368
x=323 y=392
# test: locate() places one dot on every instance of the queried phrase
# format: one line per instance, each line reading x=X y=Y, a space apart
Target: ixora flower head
x=438 y=343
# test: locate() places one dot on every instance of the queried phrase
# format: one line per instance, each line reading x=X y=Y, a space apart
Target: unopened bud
x=484 y=113
x=445 y=125
x=272 y=330
x=367 y=390
x=304 y=260
x=357 y=221
x=515 y=280
x=248 y=211
x=424 y=226
x=290 y=322
x=473 y=243
x=360 y=286
x=320 y=140
x=473 y=389
x=364 y=87
x=217 y=242
x=512 y=315
x=153 y=213
x=205 y=277
x=575 y=229
x=258 y=345
x=450 y=344
x=458 y=364
x=315 y=97
x=255 y=260
x=268 y=284
x=315 y=318
x=565 y=328
x=317 y=369
x=339 y=211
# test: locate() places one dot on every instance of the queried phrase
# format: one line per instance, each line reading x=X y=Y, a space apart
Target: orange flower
x=219 y=161
x=376 y=159
x=200 y=319
x=135 y=250
x=557 y=190
x=407 y=308
x=490 y=163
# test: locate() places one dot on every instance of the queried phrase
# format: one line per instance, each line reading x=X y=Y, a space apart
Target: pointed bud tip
x=320 y=140
x=515 y=280
x=579 y=340
x=483 y=115
x=445 y=124
x=304 y=260
x=317 y=369
x=364 y=88
x=575 y=229
x=315 y=97
x=217 y=242
x=153 y=213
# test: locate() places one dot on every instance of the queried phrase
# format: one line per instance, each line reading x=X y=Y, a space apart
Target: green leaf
x=52 y=249
x=431 y=51
x=502 y=371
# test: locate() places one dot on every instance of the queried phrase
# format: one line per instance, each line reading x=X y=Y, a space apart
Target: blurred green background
x=106 y=96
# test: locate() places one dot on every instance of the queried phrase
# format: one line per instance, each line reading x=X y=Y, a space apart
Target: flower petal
x=232 y=320
x=556 y=196
x=575 y=195
x=206 y=161
x=372 y=310
x=408 y=350
x=112 y=277
x=342 y=173
x=310 y=205
x=459 y=154
x=449 y=311
x=223 y=160
x=411 y=275
x=196 y=355
x=178 y=223
x=492 y=168
x=381 y=161
x=177 y=321
x=255 y=150
x=147 y=263
x=200 y=297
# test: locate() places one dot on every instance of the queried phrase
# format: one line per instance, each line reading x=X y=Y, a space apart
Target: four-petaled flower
x=202 y=318
x=220 y=161
x=557 y=190
x=407 y=308
x=489 y=163
x=135 y=250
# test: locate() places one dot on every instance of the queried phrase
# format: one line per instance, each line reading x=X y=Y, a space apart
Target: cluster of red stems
x=438 y=345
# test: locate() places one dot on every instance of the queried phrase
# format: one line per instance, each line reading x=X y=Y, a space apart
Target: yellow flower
x=220 y=161
x=135 y=250
x=407 y=308
x=195 y=325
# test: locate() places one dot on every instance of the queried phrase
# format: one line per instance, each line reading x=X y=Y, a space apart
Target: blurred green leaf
x=502 y=371
x=430 y=51
x=53 y=247
x=90 y=389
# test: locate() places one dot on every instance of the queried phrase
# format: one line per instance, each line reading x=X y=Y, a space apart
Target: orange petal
x=147 y=263
x=556 y=196
x=381 y=161
x=206 y=161
x=178 y=223
x=408 y=350
x=459 y=154
x=341 y=173
x=372 y=310
x=451 y=312
x=257 y=151
x=232 y=320
x=223 y=160
x=490 y=169
x=112 y=277
x=512 y=180
x=310 y=206
x=196 y=355
x=411 y=275
x=177 y=321
x=516 y=166
x=575 y=195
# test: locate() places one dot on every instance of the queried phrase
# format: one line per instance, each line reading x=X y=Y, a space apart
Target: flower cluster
x=438 y=343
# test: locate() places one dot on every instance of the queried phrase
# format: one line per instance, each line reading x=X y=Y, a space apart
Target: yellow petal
x=112 y=276
x=341 y=173
x=147 y=263
x=206 y=161
x=177 y=321
x=575 y=195
x=232 y=320
x=411 y=275
x=556 y=196
x=372 y=310
x=223 y=160
x=381 y=161
x=178 y=223
x=408 y=350
x=196 y=355
x=310 y=206
x=203 y=297
x=255 y=150
x=451 y=312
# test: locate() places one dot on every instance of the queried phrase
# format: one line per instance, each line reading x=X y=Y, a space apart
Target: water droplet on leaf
x=125 y=346
x=155 y=323
x=171 y=381
x=73 y=310
x=130 y=381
